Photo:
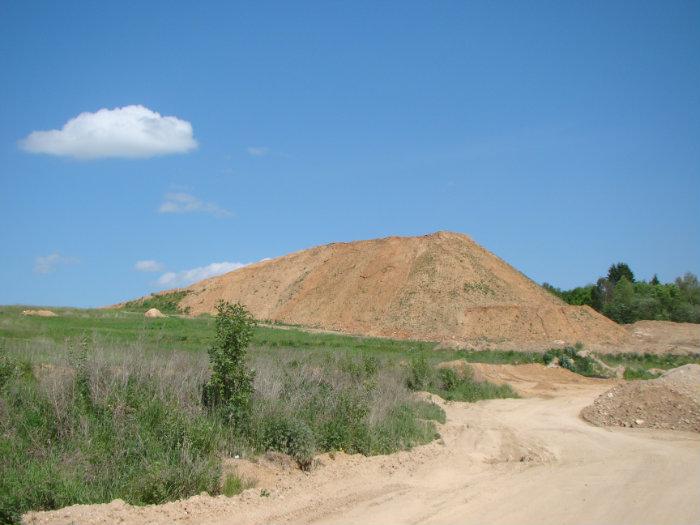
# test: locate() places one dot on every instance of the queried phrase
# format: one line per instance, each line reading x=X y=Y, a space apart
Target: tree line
x=625 y=299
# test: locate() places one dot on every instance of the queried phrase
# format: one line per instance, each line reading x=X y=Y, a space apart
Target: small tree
x=230 y=387
x=618 y=271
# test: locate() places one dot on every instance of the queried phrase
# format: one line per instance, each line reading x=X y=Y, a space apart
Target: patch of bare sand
x=39 y=313
x=536 y=379
x=664 y=337
x=153 y=313
x=511 y=461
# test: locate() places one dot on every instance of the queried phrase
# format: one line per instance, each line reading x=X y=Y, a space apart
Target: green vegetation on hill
x=167 y=303
x=625 y=300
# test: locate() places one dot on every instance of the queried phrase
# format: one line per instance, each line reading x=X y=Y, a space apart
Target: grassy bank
x=97 y=405
x=93 y=423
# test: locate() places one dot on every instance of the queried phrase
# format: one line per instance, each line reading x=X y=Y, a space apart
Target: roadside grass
x=85 y=422
x=234 y=484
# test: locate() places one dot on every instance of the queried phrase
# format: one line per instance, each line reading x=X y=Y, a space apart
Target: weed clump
x=289 y=436
x=452 y=385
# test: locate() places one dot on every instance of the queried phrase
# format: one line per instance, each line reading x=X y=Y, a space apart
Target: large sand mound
x=441 y=287
x=671 y=401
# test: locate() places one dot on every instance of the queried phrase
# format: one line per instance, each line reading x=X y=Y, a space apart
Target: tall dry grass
x=88 y=421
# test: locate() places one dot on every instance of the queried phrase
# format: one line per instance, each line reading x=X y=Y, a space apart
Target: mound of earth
x=442 y=287
x=671 y=401
x=153 y=313
x=39 y=313
x=665 y=336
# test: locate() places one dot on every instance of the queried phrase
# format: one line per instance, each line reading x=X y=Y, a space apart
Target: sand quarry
x=512 y=461
x=570 y=450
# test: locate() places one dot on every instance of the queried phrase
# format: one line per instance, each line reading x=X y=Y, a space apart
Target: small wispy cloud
x=149 y=266
x=187 y=277
x=49 y=263
x=258 y=151
x=187 y=203
x=128 y=132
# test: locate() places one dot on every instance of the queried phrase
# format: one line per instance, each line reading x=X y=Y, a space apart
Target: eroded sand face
x=514 y=461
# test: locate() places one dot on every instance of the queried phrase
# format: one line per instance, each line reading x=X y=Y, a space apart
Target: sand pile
x=671 y=401
x=39 y=313
x=442 y=287
x=665 y=336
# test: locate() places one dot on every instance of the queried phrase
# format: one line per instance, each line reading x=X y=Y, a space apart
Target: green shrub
x=420 y=373
x=230 y=388
x=448 y=379
x=289 y=436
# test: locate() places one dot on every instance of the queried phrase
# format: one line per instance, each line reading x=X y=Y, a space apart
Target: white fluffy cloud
x=186 y=203
x=149 y=266
x=128 y=132
x=258 y=151
x=49 y=263
x=193 y=275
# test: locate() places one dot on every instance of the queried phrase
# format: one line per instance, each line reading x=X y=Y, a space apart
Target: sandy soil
x=671 y=401
x=442 y=287
x=39 y=313
x=530 y=460
x=664 y=337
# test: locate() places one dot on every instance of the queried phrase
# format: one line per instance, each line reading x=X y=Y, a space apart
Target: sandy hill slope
x=439 y=287
x=665 y=337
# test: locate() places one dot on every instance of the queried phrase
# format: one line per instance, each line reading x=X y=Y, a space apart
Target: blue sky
x=563 y=136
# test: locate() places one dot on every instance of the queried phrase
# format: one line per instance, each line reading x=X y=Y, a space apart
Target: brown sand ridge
x=441 y=287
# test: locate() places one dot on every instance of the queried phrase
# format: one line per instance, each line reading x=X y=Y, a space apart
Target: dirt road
x=530 y=460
